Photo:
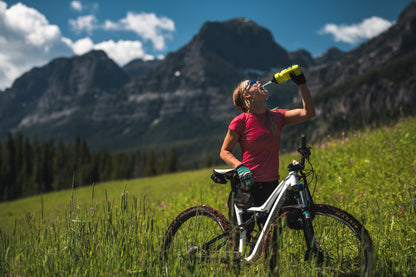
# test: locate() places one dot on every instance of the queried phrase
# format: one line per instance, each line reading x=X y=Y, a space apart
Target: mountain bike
x=290 y=232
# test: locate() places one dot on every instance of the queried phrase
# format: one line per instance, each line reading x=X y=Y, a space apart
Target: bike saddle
x=220 y=176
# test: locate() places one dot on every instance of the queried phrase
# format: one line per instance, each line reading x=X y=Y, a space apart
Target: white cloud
x=76 y=5
x=26 y=40
x=354 y=33
x=80 y=7
x=84 y=23
x=121 y=52
x=82 y=46
x=149 y=27
x=146 y=25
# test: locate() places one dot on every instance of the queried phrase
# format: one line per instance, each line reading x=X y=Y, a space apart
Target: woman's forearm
x=229 y=158
x=307 y=101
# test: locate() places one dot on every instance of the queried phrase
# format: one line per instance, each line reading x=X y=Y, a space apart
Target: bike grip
x=303 y=141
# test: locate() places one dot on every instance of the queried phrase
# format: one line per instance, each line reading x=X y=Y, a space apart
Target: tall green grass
x=116 y=228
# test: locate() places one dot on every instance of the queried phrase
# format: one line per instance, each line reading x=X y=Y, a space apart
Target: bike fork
x=308 y=232
x=312 y=249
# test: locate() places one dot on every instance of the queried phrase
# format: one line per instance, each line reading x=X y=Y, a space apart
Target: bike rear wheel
x=343 y=246
x=196 y=239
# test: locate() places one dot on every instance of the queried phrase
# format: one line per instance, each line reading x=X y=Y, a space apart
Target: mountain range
x=184 y=101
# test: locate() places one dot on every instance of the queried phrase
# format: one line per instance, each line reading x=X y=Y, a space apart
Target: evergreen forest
x=30 y=167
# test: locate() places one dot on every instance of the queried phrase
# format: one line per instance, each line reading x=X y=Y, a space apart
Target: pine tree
x=172 y=161
x=84 y=165
x=62 y=171
x=37 y=181
x=27 y=169
x=47 y=172
x=2 y=181
x=18 y=143
x=150 y=165
x=102 y=165
x=9 y=169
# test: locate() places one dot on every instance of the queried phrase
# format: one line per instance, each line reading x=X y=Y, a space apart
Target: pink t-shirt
x=260 y=148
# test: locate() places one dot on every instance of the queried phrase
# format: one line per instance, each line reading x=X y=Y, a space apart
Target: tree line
x=30 y=167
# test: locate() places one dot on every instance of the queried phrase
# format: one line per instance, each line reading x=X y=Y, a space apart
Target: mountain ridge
x=185 y=99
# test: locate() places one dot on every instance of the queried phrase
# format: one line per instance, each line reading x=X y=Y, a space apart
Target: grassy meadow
x=116 y=228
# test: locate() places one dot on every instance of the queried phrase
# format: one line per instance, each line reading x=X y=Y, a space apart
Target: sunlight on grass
x=116 y=228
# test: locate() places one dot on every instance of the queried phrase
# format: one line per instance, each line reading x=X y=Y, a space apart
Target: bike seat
x=221 y=175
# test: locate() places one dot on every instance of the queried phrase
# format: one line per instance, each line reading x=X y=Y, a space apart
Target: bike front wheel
x=195 y=242
x=341 y=245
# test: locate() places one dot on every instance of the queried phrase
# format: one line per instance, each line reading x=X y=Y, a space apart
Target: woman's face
x=254 y=90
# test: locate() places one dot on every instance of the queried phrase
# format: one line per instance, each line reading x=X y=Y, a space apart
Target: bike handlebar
x=304 y=150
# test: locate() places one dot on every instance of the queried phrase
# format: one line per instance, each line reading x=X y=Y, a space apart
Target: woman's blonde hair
x=238 y=97
x=243 y=104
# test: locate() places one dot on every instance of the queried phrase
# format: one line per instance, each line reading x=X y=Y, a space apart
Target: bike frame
x=272 y=206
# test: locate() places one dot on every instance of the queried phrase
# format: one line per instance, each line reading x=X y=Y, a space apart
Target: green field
x=116 y=228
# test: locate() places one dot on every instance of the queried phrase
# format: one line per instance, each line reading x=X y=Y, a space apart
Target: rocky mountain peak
x=243 y=43
x=302 y=57
x=331 y=55
x=408 y=14
x=95 y=70
x=185 y=98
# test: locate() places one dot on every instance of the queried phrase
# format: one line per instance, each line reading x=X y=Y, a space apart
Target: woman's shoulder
x=278 y=111
x=241 y=116
x=240 y=119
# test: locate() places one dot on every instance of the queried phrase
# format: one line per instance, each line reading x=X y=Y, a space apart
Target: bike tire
x=182 y=247
x=345 y=246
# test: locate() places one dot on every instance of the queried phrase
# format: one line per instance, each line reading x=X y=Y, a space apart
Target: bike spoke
x=337 y=248
x=195 y=241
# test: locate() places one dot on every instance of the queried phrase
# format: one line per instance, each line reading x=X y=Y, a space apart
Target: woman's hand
x=246 y=177
x=298 y=79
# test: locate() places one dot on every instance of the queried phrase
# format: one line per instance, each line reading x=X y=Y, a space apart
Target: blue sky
x=32 y=32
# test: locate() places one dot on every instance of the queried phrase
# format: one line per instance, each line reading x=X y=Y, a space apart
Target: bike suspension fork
x=305 y=201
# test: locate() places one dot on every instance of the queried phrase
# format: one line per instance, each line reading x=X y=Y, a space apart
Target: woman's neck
x=257 y=108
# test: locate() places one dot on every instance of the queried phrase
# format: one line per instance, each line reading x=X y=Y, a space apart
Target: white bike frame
x=272 y=205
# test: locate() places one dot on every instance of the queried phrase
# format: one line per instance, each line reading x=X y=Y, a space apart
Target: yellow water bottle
x=284 y=76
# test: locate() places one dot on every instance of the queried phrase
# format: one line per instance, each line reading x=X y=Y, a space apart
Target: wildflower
x=352 y=161
x=402 y=210
x=91 y=208
x=163 y=205
x=337 y=195
x=128 y=271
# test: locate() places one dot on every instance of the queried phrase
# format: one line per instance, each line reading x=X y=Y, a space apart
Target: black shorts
x=262 y=190
x=257 y=195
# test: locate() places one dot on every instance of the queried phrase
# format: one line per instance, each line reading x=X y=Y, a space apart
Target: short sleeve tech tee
x=259 y=146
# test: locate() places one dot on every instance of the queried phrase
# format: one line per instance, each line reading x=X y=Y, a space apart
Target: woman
x=257 y=130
